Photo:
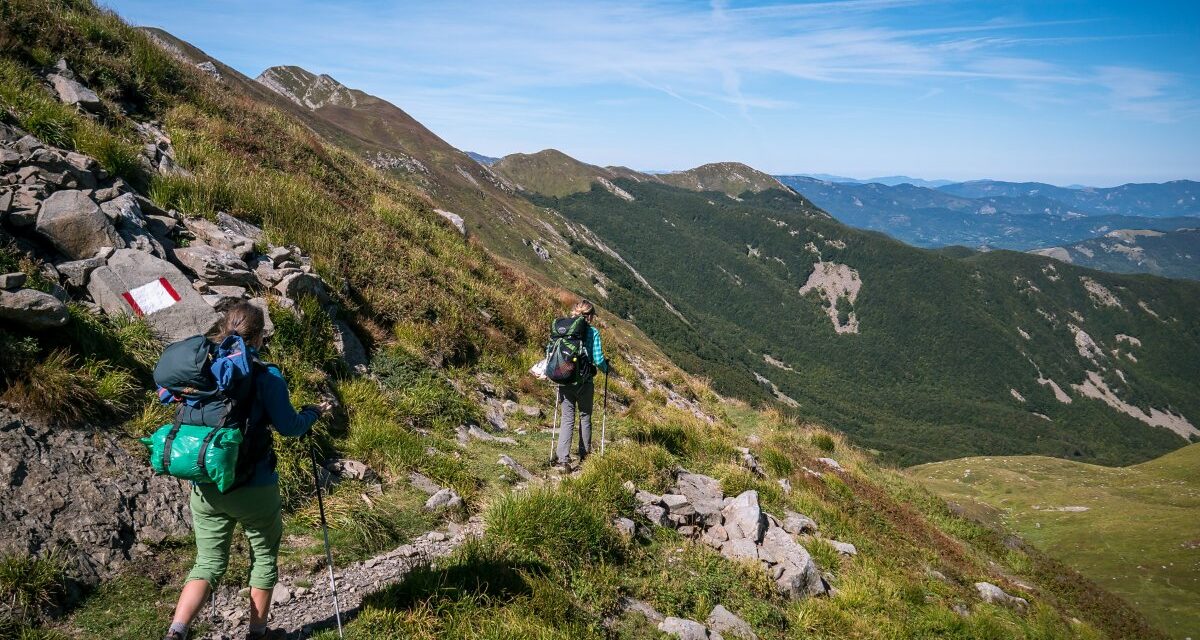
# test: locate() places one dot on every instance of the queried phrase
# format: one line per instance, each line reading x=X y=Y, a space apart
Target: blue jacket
x=273 y=405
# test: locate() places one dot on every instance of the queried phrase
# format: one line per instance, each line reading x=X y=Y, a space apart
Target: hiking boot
x=175 y=635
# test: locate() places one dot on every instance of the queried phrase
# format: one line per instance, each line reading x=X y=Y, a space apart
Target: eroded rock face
x=81 y=492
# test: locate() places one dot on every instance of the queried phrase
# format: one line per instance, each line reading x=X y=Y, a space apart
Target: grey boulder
x=76 y=225
x=798 y=576
x=683 y=629
x=72 y=92
x=298 y=285
x=128 y=269
x=76 y=272
x=32 y=309
x=214 y=235
x=724 y=622
x=992 y=594
x=744 y=517
x=704 y=494
x=798 y=523
x=445 y=498
x=215 y=266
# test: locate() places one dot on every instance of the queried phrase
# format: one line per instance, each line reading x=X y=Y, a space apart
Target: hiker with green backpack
x=228 y=401
x=572 y=359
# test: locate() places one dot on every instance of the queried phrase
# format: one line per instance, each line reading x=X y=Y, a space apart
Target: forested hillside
x=920 y=355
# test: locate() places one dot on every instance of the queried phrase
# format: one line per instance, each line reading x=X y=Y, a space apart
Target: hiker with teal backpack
x=228 y=401
x=572 y=359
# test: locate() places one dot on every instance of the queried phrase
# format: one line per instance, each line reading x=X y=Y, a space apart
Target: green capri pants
x=214 y=516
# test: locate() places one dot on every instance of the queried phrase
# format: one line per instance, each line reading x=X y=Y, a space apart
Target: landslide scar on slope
x=837 y=283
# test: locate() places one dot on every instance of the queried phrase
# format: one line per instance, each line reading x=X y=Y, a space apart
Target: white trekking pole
x=337 y=607
x=554 y=425
x=604 y=415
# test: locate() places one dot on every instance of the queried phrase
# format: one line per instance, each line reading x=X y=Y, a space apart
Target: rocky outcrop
x=83 y=494
x=739 y=530
x=97 y=237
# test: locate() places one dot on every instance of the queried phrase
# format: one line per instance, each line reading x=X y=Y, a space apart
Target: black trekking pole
x=604 y=415
x=337 y=607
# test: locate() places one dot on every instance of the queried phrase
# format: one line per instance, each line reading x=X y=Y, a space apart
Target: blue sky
x=1066 y=92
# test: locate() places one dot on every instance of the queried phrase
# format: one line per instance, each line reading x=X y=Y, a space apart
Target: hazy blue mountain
x=998 y=215
x=486 y=161
x=890 y=181
x=1175 y=198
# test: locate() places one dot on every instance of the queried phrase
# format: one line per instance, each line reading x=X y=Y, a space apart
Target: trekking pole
x=604 y=414
x=554 y=425
x=337 y=607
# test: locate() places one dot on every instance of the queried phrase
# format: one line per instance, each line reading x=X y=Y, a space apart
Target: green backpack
x=209 y=441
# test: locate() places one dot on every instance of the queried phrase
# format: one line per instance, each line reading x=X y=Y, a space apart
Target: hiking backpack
x=568 y=357
x=211 y=440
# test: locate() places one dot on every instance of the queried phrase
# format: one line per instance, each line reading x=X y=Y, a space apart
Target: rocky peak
x=306 y=88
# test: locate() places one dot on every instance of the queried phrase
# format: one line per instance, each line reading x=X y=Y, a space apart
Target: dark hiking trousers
x=575 y=398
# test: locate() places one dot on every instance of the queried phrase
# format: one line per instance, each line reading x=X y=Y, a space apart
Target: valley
x=1132 y=529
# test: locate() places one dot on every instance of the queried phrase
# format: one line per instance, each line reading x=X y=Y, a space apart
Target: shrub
x=824 y=442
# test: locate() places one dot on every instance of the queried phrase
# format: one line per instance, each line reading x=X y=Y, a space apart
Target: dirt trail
x=303 y=612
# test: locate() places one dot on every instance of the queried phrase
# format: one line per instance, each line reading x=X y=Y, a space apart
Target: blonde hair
x=583 y=308
x=245 y=320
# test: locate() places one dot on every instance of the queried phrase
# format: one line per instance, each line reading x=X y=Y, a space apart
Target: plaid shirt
x=597 y=350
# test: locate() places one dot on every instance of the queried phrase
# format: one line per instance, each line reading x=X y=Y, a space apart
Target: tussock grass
x=31 y=585
x=362 y=523
x=62 y=390
x=557 y=529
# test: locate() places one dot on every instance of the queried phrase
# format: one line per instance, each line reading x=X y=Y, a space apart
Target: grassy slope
x=550 y=567
x=1139 y=537
x=929 y=374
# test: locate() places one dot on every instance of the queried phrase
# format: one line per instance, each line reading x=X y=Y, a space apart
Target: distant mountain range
x=890 y=181
x=486 y=161
x=1002 y=215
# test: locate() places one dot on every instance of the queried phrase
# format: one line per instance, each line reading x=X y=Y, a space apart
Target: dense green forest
x=941 y=335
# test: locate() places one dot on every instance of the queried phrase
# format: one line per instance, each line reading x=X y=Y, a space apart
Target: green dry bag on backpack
x=196 y=453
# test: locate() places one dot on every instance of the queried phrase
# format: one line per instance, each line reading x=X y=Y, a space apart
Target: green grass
x=31 y=585
x=1138 y=537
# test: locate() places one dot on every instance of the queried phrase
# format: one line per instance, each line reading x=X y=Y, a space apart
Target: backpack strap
x=201 y=463
x=168 y=441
